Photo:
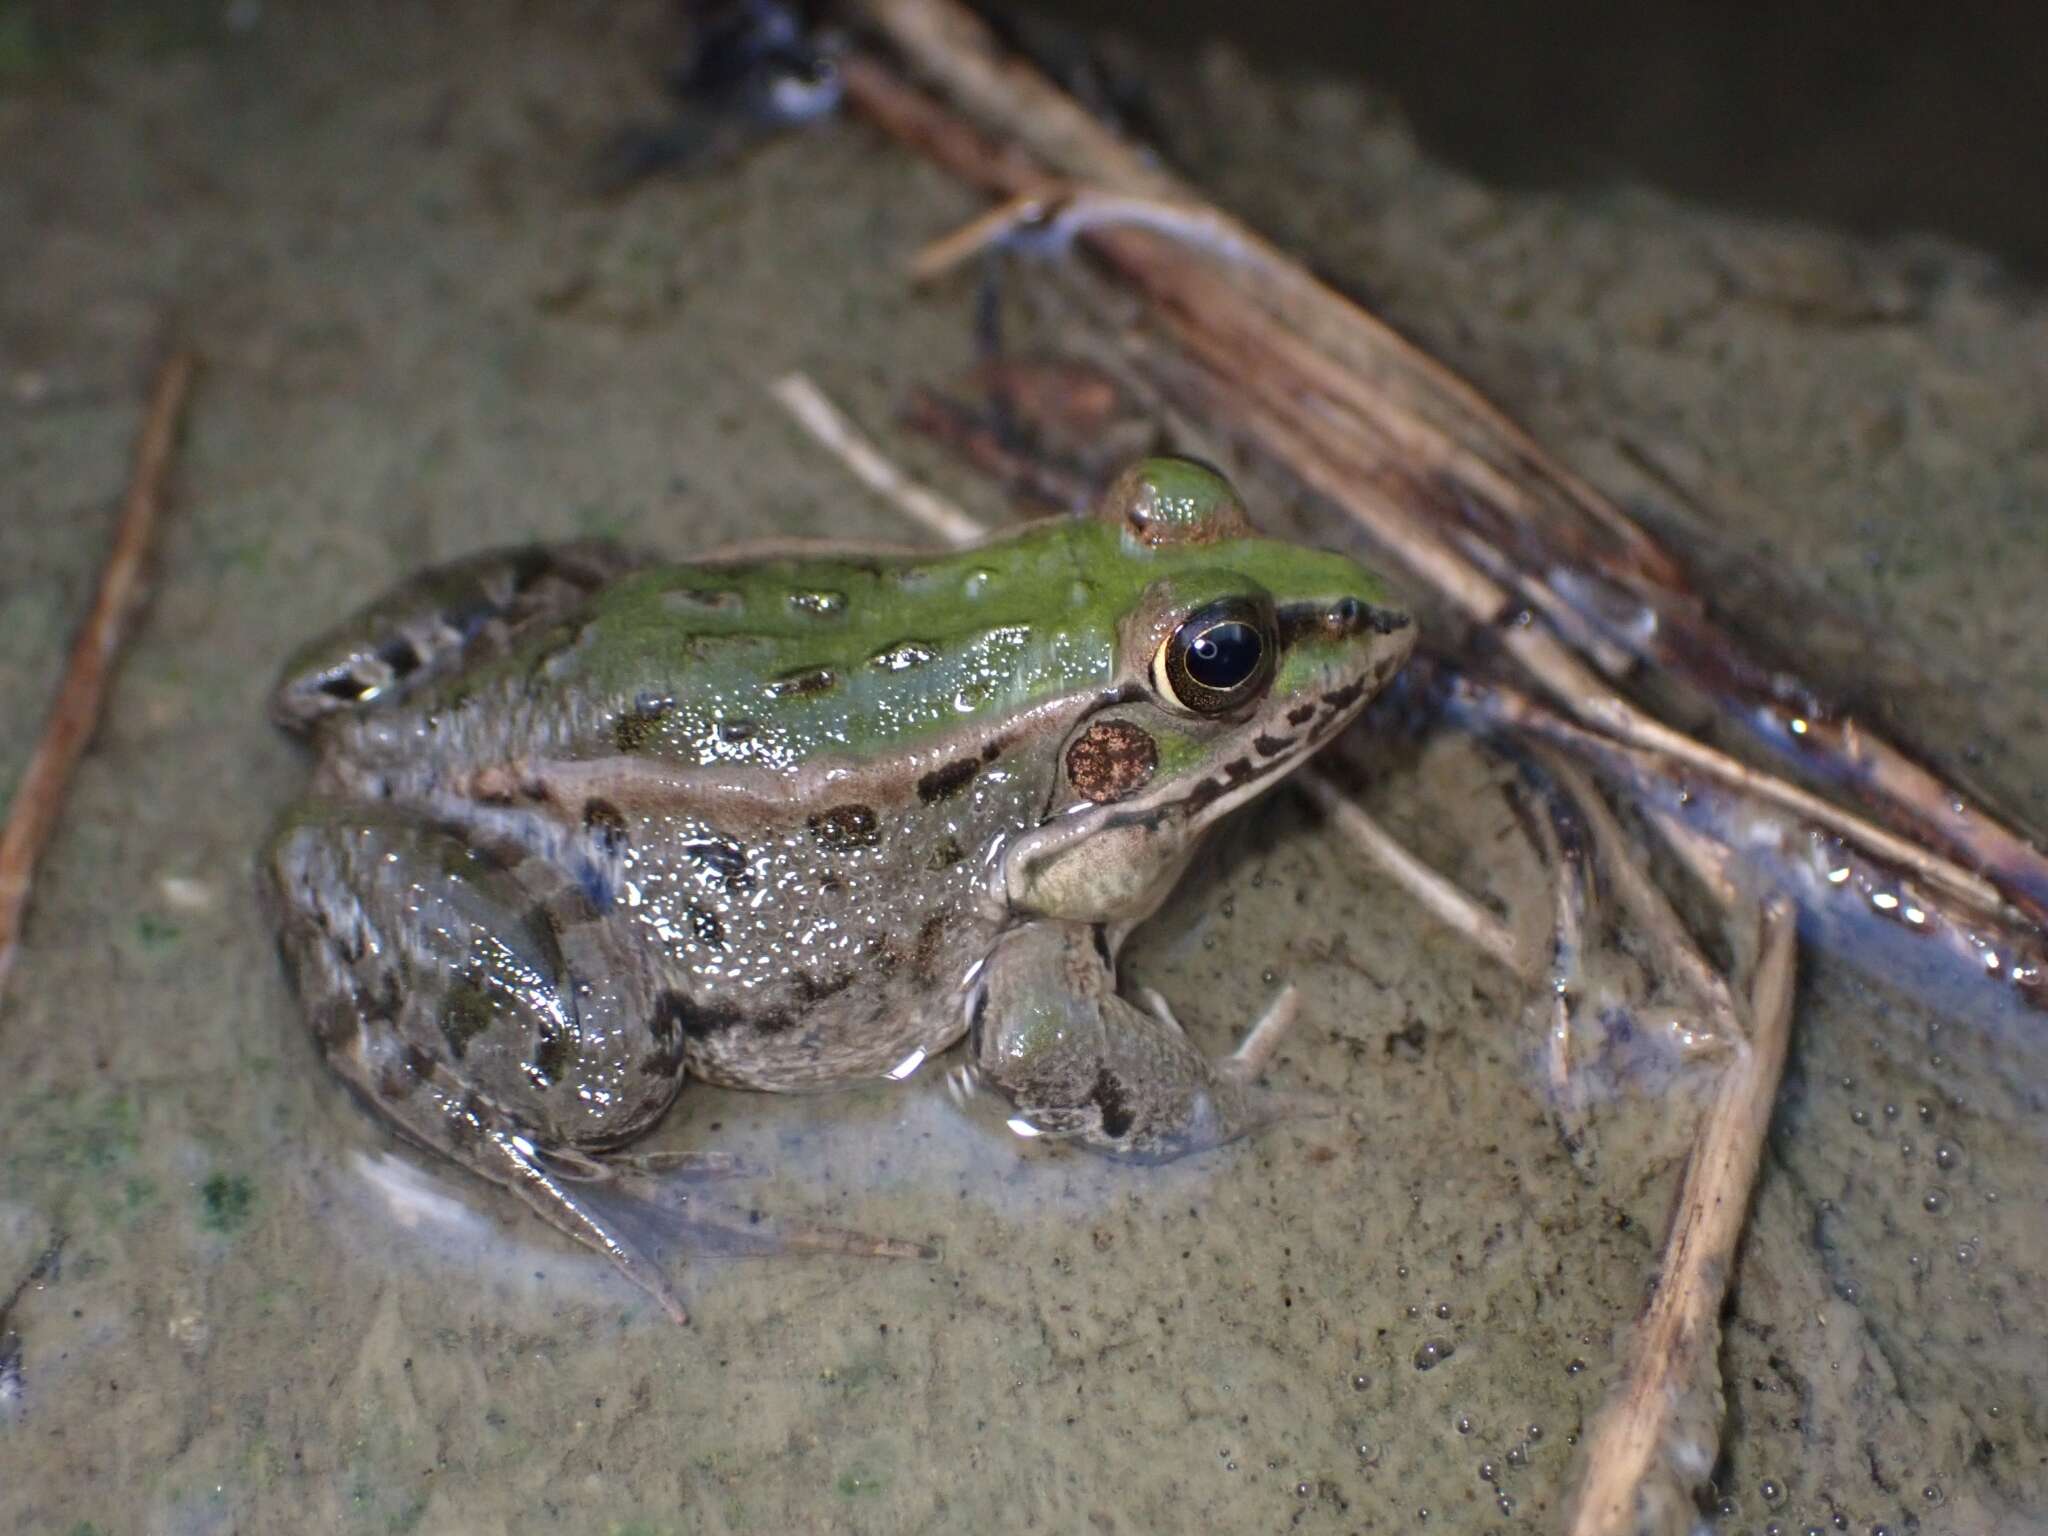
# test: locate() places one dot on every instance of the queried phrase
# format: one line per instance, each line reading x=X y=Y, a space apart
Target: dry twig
x=1655 y=1439
x=33 y=815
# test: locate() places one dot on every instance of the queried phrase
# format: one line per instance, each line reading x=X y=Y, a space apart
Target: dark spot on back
x=946 y=855
x=465 y=1013
x=925 y=959
x=346 y=686
x=606 y=823
x=944 y=782
x=1301 y=714
x=1271 y=746
x=846 y=826
x=725 y=858
x=798 y=684
x=1109 y=1097
x=704 y=924
x=635 y=730
x=550 y=1056
x=814 y=991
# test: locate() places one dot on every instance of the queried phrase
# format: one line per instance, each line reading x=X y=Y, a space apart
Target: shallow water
x=422 y=336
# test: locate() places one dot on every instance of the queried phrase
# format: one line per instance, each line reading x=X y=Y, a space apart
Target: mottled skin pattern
x=582 y=826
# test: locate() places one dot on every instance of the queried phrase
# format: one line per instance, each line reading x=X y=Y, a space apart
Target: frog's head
x=1236 y=657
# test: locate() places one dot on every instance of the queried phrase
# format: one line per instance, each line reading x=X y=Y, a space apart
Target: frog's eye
x=1217 y=658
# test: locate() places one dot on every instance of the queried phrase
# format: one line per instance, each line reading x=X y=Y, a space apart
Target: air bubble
x=1506 y=1504
x=1966 y=1254
x=1814 y=1530
x=1773 y=1491
x=1935 y=1202
x=1859 y=1116
x=1891 y=1111
x=1401 y=1272
x=1464 y=1424
x=1433 y=1353
x=1849 y=1292
x=1360 y=1382
x=1488 y=1472
x=1535 y=1431
x=1414 y=1312
x=1925 y=1110
x=1574 y=1367
x=1302 y=1490
x=1906 y=1147
x=1443 y=1309
x=1728 y=1508
x=1517 y=1457
x=1947 y=1155
x=1932 y=1493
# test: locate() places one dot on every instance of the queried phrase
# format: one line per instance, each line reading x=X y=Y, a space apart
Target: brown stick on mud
x=1434 y=466
x=33 y=815
x=1672 y=1370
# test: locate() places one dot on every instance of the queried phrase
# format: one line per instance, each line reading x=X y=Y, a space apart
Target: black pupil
x=1224 y=655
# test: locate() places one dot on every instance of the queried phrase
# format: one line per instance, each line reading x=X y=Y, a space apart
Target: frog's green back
x=776 y=660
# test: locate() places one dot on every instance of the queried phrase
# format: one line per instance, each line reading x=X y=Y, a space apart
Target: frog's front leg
x=1078 y=1061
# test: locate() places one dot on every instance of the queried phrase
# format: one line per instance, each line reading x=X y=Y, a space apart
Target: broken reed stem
x=1672 y=1352
x=1450 y=905
x=1417 y=447
x=830 y=427
x=1644 y=902
x=32 y=816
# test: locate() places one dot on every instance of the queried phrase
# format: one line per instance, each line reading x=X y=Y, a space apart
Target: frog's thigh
x=439 y=987
x=425 y=964
x=1080 y=1062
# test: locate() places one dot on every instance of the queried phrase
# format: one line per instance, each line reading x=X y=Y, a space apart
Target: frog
x=583 y=825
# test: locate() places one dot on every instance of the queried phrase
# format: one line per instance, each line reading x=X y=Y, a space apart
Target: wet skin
x=582 y=826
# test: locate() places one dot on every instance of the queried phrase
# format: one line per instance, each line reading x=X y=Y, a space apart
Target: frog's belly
x=802 y=962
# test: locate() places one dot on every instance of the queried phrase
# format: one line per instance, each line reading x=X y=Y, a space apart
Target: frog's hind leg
x=1080 y=1062
x=436 y=621
x=461 y=995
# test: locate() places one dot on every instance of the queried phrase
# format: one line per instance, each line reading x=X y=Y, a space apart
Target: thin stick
x=1451 y=905
x=1651 y=909
x=1672 y=1355
x=33 y=815
x=829 y=425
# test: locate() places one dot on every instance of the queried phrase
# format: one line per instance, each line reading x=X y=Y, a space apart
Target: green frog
x=583 y=825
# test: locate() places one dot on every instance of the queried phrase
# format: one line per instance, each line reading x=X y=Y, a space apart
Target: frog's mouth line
x=1270 y=755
